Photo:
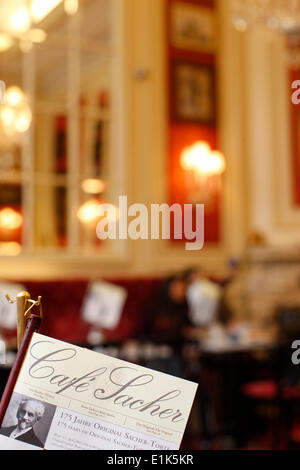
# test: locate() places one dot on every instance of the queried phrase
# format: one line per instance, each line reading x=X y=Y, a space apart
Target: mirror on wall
x=55 y=59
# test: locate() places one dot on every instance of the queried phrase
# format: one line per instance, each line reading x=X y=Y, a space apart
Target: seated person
x=168 y=314
x=165 y=324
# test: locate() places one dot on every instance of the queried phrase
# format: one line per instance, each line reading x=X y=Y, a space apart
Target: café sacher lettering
x=126 y=383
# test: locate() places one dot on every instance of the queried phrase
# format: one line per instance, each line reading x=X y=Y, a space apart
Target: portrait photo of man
x=28 y=414
x=27 y=420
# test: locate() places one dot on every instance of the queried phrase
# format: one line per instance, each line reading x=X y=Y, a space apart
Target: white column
x=260 y=137
x=232 y=131
x=28 y=154
x=73 y=140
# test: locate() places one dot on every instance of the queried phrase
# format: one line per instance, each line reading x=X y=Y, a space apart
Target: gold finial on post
x=23 y=300
x=28 y=323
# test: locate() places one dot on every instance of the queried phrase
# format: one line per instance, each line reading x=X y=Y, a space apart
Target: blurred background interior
x=164 y=101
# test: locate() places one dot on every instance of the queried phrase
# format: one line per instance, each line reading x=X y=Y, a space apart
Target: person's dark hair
x=163 y=293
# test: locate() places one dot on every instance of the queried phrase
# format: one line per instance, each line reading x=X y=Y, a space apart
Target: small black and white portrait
x=27 y=420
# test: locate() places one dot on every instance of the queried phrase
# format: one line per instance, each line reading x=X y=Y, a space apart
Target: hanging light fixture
x=15 y=114
x=18 y=20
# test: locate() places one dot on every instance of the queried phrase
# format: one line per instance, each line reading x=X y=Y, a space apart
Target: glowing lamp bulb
x=93 y=186
x=20 y=20
x=10 y=219
x=218 y=165
x=7 y=116
x=5 y=42
x=202 y=160
x=23 y=121
x=192 y=155
x=37 y=35
x=71 y=7
x=89 y=211
x=14 y=96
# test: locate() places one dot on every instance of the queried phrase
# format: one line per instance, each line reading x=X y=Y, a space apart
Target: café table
x=221 y=370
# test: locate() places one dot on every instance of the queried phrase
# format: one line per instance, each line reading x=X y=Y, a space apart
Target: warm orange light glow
x=192 y=157
x=5 y=42
x=20 y=15
x=217 y=163
x=41 y=8
x=15 y=96
x=23 y=120
x=71 y=7
x=15 y=115
x=10 y=219
x=89 y=211
x=19 y=22
x=7 y=116
x=202 y=160
x=37 y=35
x=93 y=186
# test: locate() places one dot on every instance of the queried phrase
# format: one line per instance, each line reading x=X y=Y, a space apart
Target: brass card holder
x=28 y=322
x=23 y=309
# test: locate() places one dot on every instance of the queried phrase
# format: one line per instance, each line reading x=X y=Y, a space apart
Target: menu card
x=67 y=397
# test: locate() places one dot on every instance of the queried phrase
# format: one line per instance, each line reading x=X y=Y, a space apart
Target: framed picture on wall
x=194 y=93
x=193 y=27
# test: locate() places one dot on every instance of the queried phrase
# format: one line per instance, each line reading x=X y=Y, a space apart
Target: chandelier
x=19 y=21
